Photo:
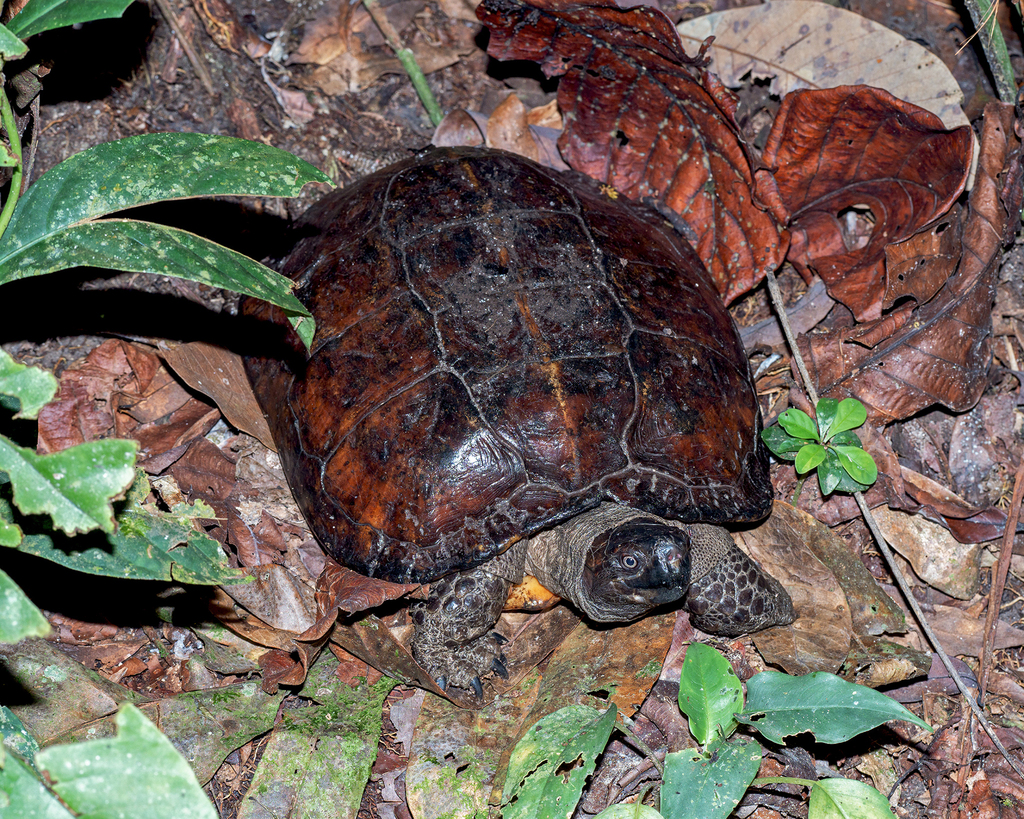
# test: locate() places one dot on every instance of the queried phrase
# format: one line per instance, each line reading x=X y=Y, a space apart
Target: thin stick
x=994 y=46
x=408 y=60
x=197 y=65
x=628 y=727
x=1001 y=569
x=883 y=547
x=933 y=638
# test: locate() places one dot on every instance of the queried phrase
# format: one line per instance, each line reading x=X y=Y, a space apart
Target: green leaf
x=23 y=796
x=781 y=443
x=633 y=811
x=709 y=693
x=799 y=424
x=137 y=773
x=138 y=170
x=832 y=709
x=11 y=47
x=830 y=473
x=32 y=386
x=74 y=487
x=43 y=15
x=709 y=785
x=20 y=618
x=847 y=799
x=569 y=739
x=860 y=466
x=142 y=247
x=849 y=415
x=809 y=457
x=846 y=439
x=825 y=412
x=147 y=546
x=16 y=737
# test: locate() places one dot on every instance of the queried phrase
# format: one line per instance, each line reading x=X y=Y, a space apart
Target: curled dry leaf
x=643 y=117
x=939 y=352
x=853 y=149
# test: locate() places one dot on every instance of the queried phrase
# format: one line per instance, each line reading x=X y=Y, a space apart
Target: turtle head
x=634 y=567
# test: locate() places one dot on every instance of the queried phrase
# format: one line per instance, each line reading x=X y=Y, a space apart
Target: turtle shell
x=500 y=347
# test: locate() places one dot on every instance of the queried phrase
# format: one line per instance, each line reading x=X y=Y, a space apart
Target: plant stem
x=782 y=780
x=629 y=729
x=11 y=127
x=787 y=331
x=983 y=15
x=408 y=60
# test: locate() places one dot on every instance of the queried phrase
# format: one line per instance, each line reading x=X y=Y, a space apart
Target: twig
x=186 y=45
x=408 y=60
x=999 y=572
x=629 y=729
x=994 y=46
x=883 y=547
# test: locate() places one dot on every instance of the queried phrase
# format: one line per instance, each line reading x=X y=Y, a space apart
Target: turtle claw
x=498 y=667
x=478 y=687
x=500 y=639
x=441 y=682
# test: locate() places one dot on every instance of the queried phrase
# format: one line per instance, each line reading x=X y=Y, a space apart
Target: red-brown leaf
x=937 y=353
x=643 y=116
x=856 y=147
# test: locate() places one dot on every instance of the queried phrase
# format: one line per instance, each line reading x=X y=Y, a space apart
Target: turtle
x=515 y=372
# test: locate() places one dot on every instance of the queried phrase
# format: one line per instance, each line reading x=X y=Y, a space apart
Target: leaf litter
x=194 y=465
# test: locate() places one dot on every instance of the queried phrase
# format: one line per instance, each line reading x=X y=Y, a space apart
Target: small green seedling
x=828 y=446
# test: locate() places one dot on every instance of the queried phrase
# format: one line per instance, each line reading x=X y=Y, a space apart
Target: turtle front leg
x=453 y=638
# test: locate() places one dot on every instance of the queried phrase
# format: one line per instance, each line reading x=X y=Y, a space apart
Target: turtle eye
x=630 y=562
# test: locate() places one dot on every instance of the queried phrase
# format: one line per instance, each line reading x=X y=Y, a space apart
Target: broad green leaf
x=138 y=170
x=781 y=443
x=633 y=811
x=16 y=737
x=809 y=457
x=838 y=798
x=19 y=617
x=11 y=46
x=43 y=15
x=709 y=785
x=830 y=473
x=137 y=773
x=827 y=706
x=825 y=413
x=799 y=424
x=23 y=796
x=146 y=546
x=567 y=742
x=10 y=534
x=858 y=464
x=709 y=693
x=838 y=478
x=74 y=487
x=850 y=414
x=846 y=439
x=142 y=247
x=32 y=386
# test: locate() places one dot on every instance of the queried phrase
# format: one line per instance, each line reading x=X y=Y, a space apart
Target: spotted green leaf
x=42 y=15
x=799 y=424
x=30 y=386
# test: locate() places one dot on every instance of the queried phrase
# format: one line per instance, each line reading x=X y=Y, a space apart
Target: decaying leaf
x=850 y=150
x=807 y=44
x=642 y=116
x=939 y=352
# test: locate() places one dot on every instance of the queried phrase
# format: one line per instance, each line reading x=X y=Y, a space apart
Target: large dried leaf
x=642 y=116
x=850 y=150
x=937 y=353
x=807 y=44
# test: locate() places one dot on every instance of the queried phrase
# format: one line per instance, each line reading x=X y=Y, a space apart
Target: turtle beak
x=668 y=565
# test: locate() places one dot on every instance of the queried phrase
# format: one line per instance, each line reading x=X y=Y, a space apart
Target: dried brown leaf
x=842 y=150
x=937 y=353
x=643 y=117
